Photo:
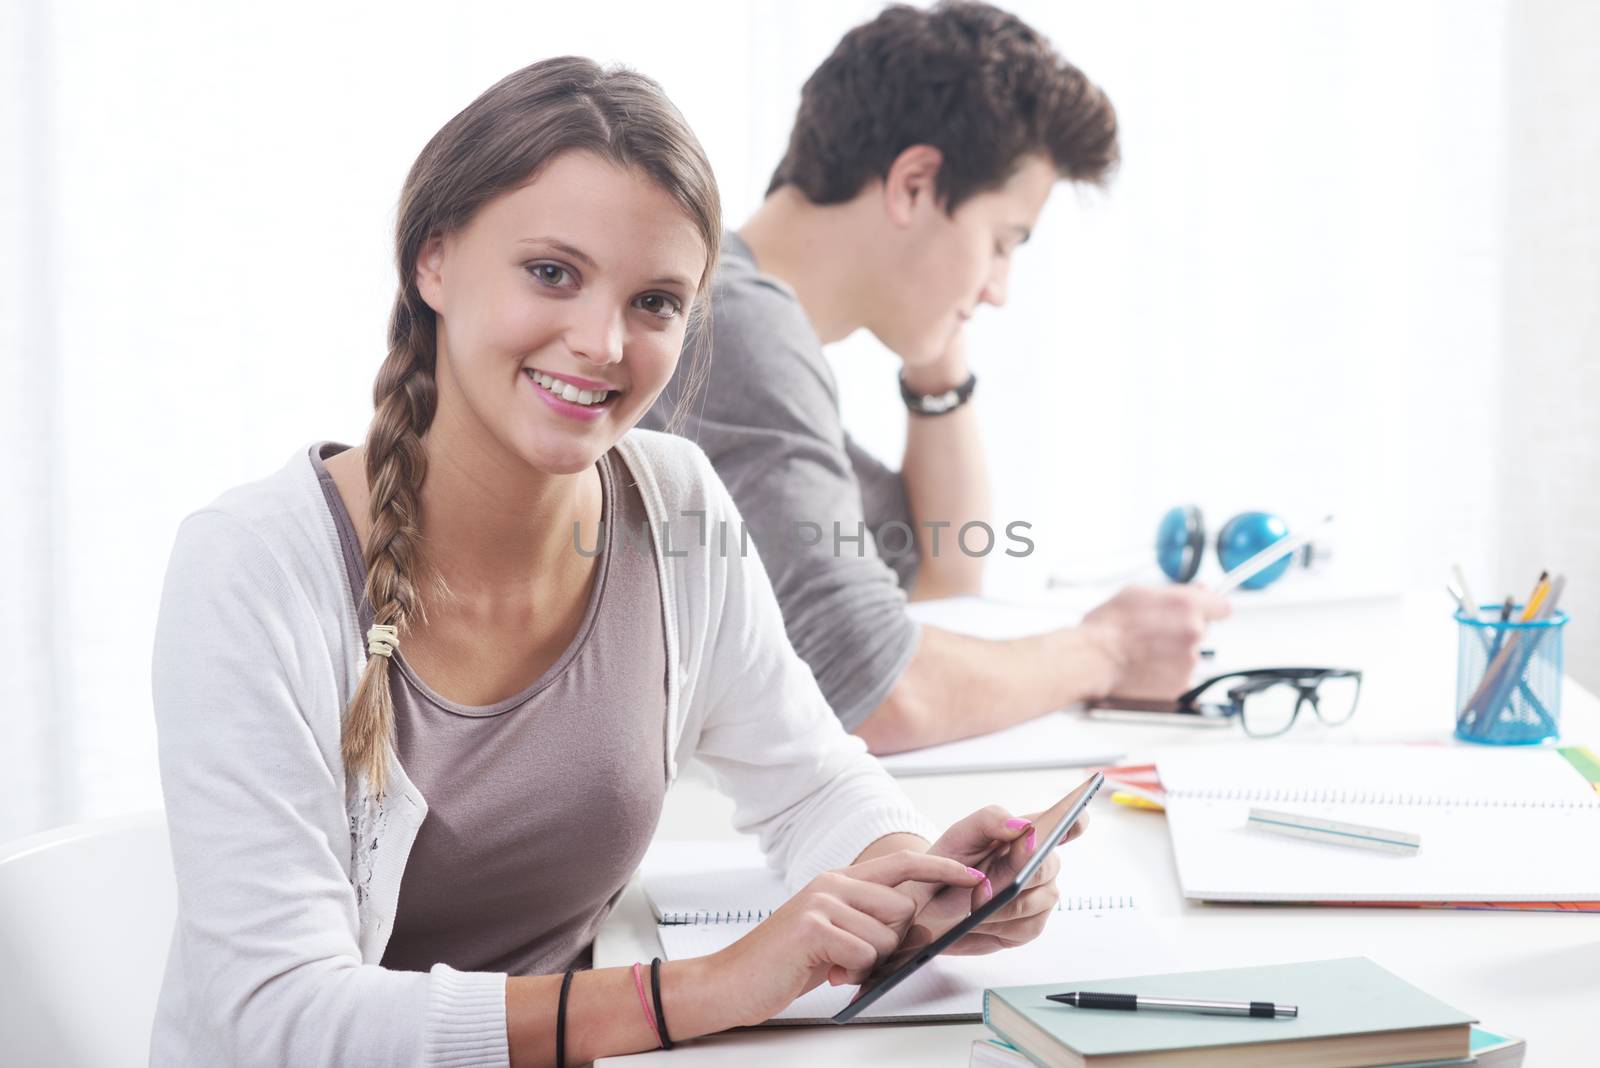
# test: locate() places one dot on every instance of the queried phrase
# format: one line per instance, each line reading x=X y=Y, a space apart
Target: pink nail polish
x=1031 y=833
x=976 y=874
x=1016 y=823
x=988 y=891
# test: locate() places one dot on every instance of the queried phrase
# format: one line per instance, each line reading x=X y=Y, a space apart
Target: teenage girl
x=419 y=701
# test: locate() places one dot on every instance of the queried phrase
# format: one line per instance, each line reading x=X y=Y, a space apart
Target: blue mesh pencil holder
x=1508 y=678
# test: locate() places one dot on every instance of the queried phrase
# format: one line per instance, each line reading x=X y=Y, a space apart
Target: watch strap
x=937 y=403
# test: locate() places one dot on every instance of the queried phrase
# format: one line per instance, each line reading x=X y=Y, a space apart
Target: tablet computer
x=900 y=965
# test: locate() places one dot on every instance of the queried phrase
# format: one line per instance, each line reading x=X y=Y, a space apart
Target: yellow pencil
x=1541 y=589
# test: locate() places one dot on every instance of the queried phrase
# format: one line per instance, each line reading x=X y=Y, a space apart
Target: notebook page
x=1389 y=774
x=718 y=881
x=999 y=620
x=1056 y=740
x=1469 y=853
x=709 y=881
x=1080 y=944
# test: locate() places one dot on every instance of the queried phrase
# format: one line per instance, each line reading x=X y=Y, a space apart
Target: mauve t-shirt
x=540 y=806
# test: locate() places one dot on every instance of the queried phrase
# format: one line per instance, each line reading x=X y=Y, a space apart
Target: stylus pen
x=1083 y=999
x=1282 y=548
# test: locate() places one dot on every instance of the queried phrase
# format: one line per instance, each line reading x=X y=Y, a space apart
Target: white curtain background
x=1306 y=291
x=1549 y=459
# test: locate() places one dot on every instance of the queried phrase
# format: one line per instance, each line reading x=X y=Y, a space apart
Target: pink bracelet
x=644 y=1002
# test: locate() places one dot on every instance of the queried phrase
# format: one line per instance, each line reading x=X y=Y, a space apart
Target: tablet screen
x=917 y=951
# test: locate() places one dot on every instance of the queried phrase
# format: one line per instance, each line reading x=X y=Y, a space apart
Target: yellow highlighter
x=1135 y=798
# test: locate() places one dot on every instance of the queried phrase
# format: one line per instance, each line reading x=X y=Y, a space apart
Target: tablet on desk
x=904 y=962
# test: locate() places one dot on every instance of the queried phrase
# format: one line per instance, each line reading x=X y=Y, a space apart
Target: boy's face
x=948 y=264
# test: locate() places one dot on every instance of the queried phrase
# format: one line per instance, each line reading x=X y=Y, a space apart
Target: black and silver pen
x=1083 y=999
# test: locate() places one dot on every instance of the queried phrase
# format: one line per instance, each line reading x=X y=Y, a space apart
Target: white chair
x=86 y=915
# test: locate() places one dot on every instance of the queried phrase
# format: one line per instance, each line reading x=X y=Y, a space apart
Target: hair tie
x=382 y=639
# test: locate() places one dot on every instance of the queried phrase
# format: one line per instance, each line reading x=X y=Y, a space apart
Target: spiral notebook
x=689 y=882
x=728 y=882
x=1496 y=825
x=706 y=895
x=950 y=988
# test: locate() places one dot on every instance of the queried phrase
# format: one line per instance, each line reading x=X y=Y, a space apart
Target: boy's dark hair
x=975 y=82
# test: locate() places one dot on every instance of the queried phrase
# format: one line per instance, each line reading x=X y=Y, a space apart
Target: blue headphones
x=1181 y=541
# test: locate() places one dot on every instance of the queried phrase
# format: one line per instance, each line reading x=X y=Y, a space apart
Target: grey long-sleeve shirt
x=818 y=507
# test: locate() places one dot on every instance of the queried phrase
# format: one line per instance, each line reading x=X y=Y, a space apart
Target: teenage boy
x=924 y=150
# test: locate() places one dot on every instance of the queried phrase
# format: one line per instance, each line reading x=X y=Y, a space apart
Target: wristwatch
x=937 y=403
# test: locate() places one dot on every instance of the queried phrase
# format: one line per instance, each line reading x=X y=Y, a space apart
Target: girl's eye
x=551 y=274
x=660 y=305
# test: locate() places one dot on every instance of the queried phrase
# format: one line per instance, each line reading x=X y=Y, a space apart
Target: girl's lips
x=586 y=413
x=581 y=383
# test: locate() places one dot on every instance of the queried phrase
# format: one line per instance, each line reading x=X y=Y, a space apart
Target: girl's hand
x=836 y=928
x=1000 y=845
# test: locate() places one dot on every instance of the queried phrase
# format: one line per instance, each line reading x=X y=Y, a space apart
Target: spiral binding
x=1371 y=797
x=1096 y=903
x=1082 y=903
x=740 y=916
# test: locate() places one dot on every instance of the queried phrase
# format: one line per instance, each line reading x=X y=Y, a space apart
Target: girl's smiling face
x=561 y=310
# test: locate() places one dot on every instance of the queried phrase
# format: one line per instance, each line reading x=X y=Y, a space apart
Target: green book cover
x=1347 y=996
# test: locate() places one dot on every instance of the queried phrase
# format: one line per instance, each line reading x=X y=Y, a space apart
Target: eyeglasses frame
x=1264 y=678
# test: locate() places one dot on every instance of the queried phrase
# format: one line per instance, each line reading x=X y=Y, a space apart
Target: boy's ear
x=912 y=183
x=430 y=271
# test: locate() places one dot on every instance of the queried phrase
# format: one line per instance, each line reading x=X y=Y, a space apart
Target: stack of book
x=1350 y=1013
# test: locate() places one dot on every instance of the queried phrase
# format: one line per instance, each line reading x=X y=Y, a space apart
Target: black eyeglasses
x=1268 y=700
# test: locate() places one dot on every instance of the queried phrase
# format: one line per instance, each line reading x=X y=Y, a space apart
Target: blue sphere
x=1247 y=534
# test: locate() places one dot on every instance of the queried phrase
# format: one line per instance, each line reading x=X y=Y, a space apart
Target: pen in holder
x=1508 y=678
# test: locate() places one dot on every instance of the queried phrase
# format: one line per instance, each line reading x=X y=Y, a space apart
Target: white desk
x=1536 y=975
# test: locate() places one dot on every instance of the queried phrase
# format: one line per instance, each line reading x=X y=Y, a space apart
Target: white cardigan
x=288 y=875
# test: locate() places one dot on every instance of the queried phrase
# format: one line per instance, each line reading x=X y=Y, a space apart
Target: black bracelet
x=655 y=993
x=937 y=403
x=561 y=1021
